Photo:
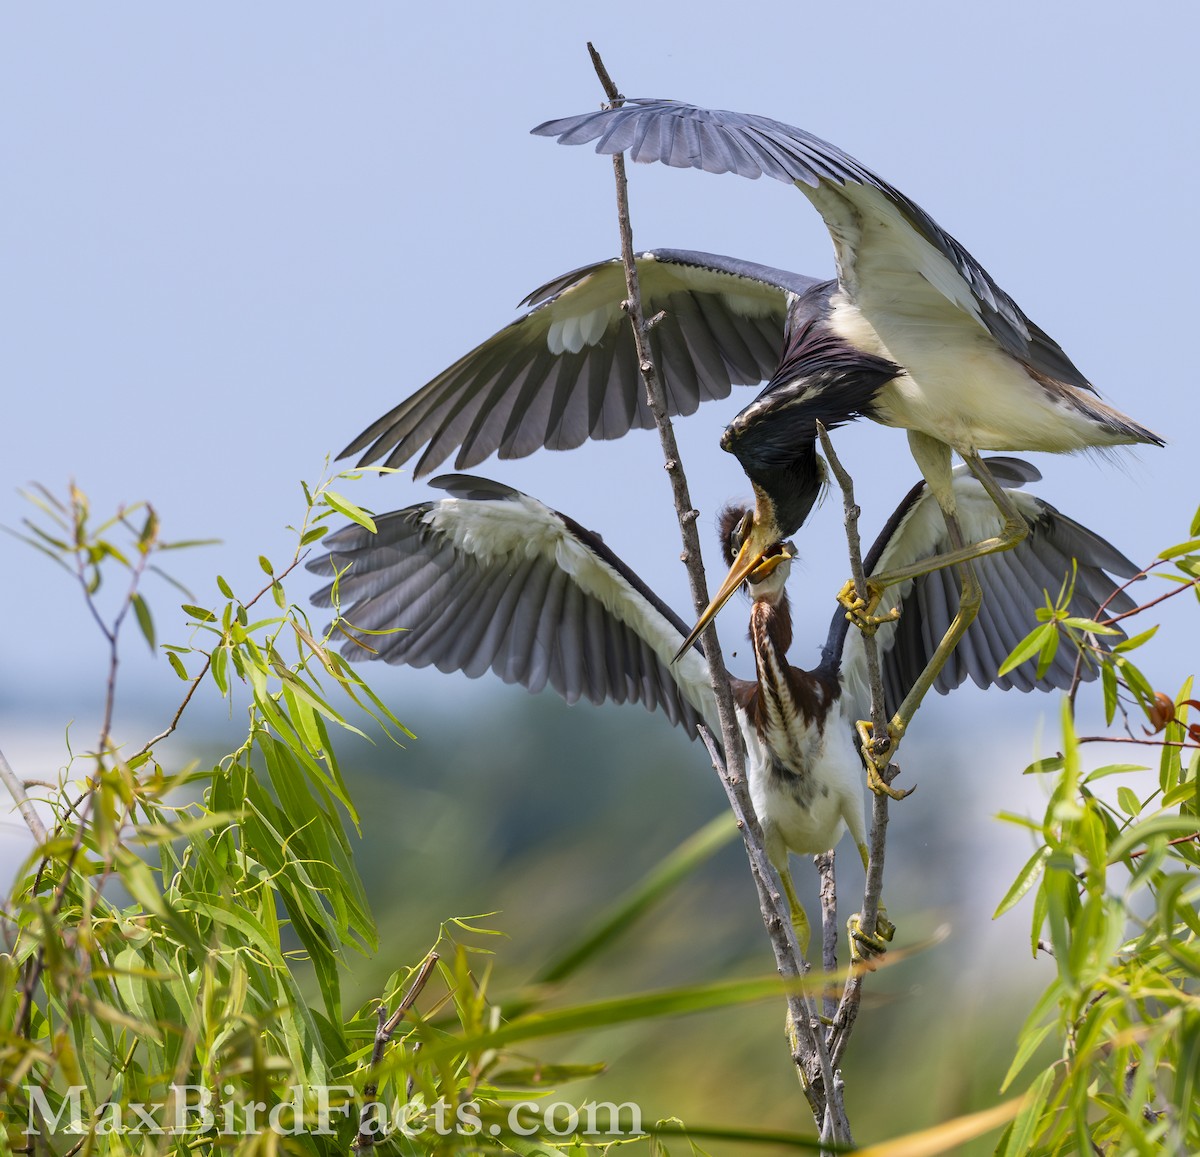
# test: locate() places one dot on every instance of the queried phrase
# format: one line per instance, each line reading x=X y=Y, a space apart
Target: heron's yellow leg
x=803 y=934
x=796 y=911
x=934 y=459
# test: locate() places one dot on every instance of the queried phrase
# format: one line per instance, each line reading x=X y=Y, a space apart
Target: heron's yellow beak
x=749 y=559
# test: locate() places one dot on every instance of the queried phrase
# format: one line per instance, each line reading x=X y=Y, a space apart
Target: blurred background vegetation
x=533 y=817
x=536 y=816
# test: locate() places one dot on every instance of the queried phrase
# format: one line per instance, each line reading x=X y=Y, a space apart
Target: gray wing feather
x=456 y=593
x=526 y=387
x=718 y=141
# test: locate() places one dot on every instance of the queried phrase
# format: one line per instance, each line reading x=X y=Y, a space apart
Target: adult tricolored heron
x=973 y=372
x=491 y=579
x=567 y=371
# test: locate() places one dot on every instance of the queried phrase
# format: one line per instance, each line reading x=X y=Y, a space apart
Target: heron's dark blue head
x=821 y=378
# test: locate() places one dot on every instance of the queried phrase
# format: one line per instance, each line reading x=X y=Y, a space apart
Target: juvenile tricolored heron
x=491 y=579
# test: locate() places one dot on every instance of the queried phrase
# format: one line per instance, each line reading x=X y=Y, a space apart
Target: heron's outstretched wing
x=491 y=579
x=889 y=250
x=1015 y=584
x=567 y=371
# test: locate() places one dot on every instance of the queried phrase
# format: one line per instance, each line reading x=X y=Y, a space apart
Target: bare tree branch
x=813 y=1059
x=383 y=1034
x=829 y=922
x=24 y=804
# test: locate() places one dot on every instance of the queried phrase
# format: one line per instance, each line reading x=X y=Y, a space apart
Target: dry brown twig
x=388 y=1023
x=16 y=788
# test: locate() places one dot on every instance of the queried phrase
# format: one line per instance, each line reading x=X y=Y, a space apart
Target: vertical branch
x=847 y=1012
x=817 y=1078
x=829 y=922
x=24 y=805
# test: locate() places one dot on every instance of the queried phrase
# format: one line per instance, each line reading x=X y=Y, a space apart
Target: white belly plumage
x=959 y=387
x=805 y=807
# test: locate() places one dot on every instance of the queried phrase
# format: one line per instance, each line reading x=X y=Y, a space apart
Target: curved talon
x=861 y=612
x=864 y=949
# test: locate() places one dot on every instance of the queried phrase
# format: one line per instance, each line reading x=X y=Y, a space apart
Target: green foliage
x=1115 y=887
x=154 y=933
x=178 y=938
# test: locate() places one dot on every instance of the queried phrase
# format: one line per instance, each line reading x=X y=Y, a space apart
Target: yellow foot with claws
x=861 y=612
x=878 y=754
x=866 y=949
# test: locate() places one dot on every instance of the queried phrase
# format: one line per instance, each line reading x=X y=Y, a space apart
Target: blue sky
x=235 y=234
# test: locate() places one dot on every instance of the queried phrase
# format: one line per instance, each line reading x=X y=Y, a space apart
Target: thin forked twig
x=383 y=1034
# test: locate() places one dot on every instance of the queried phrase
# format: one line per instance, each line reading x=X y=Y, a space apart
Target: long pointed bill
x=749 y=558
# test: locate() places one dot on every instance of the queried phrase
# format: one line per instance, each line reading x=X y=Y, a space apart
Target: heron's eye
x=738 y=536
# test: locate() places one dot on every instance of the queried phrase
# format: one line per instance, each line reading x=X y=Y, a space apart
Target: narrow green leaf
x=352 y=512
x=1139 y=834
x=1043 y=766
x=1046 y=654
x=1114 y=769
x=1025 y=880
x=57 y=543
x=1135 y=641
x=542 y=1077
x=188 y=543
x=1089 y=625
x=1136 y=682
x=1026 y=1047
x=112 y=1015
x=149 y=534
x=219 y=668
x=1185 y=790
x=1108 y=680
x=224 y=587
x=1025 y=1127
x=1027 y=647
x=144 y=621
x=618 y=1010
x=1181 y=548
x=676 y=866
x=177 y=666
x=265 y=563
x=1128 y=801
x=1062 y=902
x=1019 y=821
x=200 y=614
